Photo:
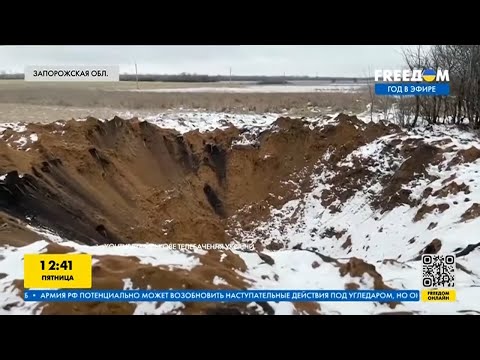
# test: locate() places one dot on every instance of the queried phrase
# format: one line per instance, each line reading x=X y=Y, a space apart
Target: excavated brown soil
x=14 y=233
x=357 y=268
x=465 y=156
x=419 y=156
x=472 y=212
x=125 y=181
x=452 y=189
x=428 y=209
x=432 y=248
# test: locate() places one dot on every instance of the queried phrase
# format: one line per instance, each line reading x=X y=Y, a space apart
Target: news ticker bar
x=223 y=295
x=409 y=89
x=96 y=73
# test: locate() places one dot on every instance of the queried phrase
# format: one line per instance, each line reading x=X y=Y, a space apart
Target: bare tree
x=415 y=59
x=385 y=104
x=463 y=65
x=403 y=111
x=371 y=92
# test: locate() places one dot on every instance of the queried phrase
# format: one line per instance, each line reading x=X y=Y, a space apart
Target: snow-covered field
x=381 y=239
x=342 y=88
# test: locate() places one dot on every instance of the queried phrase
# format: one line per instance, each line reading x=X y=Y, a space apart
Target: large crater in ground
x=126 y=181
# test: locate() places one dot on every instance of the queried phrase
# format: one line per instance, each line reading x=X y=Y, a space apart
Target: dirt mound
x=432 y=248
x=472 y=212
x=428 y=209
x=452 y=189
x=465 y=156
x=14 y=232
x=419 y=157
x=357 y=268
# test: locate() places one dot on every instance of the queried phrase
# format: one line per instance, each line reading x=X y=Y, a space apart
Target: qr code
x=438 y=271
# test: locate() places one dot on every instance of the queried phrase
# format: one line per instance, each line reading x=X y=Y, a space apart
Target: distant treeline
x=12 y=76
x=184 y=77
x=217 y=78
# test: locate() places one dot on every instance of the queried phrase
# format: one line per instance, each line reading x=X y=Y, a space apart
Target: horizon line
x=223 y=75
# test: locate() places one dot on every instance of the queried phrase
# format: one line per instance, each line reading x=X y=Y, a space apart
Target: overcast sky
x=312 y=60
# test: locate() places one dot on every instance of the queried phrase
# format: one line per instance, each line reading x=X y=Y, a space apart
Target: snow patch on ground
x=341 y=88
x=207 y=121
x=217 y=280
x=15 y=126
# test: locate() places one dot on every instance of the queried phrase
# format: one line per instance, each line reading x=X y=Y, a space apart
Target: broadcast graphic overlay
x=438 y=278
x=56 y=271
x=89 y=73
x=68 y=278
x=426 y=82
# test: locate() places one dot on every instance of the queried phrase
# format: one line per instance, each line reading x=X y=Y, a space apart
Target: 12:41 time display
x=53 y=265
